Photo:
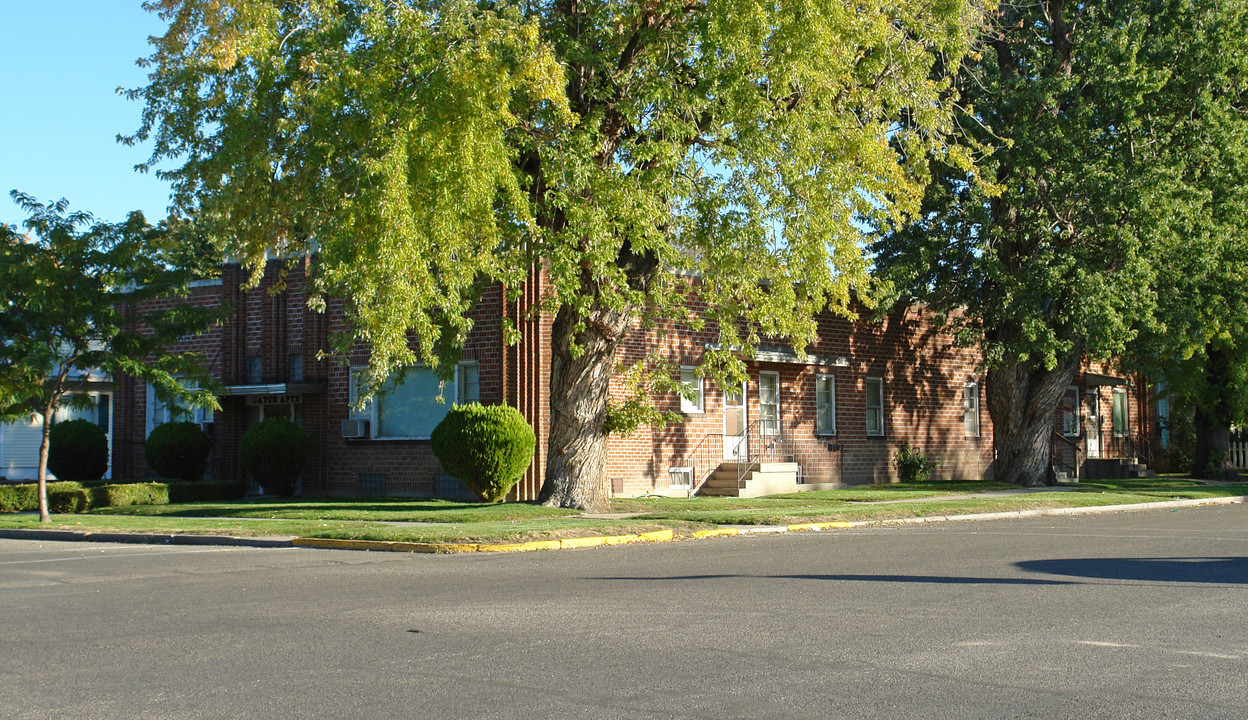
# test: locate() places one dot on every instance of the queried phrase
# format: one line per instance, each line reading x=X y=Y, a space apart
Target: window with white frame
x=970 y=409
x=690 y=378
x=406 y=408
x=769 y=403
x=825 y=405
x=1119 y=412
x=468 y=383
x=1070 y=411
x=874 y=388
x=100 y=413
x=166 y=410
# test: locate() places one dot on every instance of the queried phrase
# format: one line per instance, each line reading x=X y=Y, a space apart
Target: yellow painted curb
x=716 y=532
x=520 y=547
x=381 y=545
x=821 y=526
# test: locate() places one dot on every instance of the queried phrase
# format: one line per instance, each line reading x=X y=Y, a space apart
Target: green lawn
x=445 y=521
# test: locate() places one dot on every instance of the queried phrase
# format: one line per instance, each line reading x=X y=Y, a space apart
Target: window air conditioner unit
x=355 y=428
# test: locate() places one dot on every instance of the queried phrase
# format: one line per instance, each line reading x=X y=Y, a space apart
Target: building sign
x=294 y=399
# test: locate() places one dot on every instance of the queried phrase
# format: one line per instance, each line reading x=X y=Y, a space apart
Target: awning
x=299 y=388
x=1097 y=379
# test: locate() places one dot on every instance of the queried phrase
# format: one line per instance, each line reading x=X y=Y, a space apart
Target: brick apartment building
x=835 y=417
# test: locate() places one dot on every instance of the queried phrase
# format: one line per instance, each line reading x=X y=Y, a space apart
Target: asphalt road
x=1133 y=615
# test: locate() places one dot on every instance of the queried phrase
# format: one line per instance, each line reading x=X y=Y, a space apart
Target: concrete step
x=761 y=467
x=728 y=478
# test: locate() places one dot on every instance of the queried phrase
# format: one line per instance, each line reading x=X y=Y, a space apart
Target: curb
x=580 y=542
x=145 y=538
x=443 y=548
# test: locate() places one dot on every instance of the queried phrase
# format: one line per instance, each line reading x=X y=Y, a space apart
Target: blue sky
x=61 y=62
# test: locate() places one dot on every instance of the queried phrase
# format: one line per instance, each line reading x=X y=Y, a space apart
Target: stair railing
x=702 y=461
x=763 y=442
x=1060 y=441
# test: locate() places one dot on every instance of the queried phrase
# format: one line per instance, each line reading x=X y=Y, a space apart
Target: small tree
x=72 y=302
x=178 y=451
x=488 y=447
x=77 y=450
x=274 y=451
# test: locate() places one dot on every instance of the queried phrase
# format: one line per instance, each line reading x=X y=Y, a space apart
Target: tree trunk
x=579 y=385
x=1022 y=401
x=1211 y=420
x=42 y=475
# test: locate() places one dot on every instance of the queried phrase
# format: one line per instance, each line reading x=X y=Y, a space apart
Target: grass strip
x=441 y=521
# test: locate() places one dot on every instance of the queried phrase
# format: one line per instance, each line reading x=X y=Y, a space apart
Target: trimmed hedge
x=274 y=451
x=178 y=451
x=77 y=451
x=72 y=497
x=488 y=447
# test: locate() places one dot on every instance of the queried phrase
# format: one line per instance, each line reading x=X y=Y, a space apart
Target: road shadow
x=1232 y=570
x=928 y=579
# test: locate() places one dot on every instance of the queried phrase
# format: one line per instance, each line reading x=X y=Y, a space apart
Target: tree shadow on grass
x=1228 y=570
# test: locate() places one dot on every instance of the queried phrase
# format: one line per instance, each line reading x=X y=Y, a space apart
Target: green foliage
x=275 y=451
x=74 y=301
x=77 y=497
x=77 y=451
x=68 y=500
x=645 y=380
x=23 y=496
x=128 y=494
x=1112 y=178
x=177 y=451
x=430 y=147
x=913 y=466
x=488 y=447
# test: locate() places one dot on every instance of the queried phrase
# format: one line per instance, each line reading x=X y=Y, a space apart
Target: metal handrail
x=760 y=445
x=694 y=459
x=1074 y=446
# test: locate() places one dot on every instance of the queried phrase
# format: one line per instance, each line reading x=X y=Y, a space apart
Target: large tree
x=1095 y=119
x=431 y=145
x=76 y=297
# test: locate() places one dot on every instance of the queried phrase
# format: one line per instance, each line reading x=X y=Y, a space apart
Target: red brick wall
x=923 y=372
x=922 y=369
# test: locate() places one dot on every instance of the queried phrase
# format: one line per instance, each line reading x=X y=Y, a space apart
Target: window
x=689 y=378
x=1120 y=412
x=1070 y=412
x=825 y=405
x=255 y=369
x=970 y=409
x=296 y=367
x=875 y=405
x=406 y=409
x=468 y=383
x=769 y=403
x=100 y=414
x=161 y=411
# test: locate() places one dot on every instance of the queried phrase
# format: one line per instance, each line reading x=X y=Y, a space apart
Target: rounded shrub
x=488 y=447
x=177 y=451
x=77 y=451
x=274 y=451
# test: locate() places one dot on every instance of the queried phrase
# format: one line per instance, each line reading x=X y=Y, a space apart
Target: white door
x=735 y=423
x=1093 y=422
